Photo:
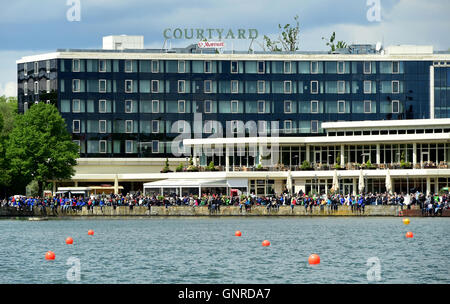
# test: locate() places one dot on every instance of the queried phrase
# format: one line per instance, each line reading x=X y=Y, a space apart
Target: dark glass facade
x=127 y=108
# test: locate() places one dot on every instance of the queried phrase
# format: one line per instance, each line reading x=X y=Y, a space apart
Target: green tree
x=8 y=111
x=40 y=147
x=288 y=38
x=330 y=42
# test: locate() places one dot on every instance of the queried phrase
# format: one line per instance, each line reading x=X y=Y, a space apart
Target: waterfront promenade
x=108 y=211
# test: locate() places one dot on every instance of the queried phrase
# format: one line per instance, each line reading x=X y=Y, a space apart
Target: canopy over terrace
x=184 y=186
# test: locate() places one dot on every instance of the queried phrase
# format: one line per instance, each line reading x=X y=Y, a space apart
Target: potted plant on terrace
x=166 y=168
x=305 y=166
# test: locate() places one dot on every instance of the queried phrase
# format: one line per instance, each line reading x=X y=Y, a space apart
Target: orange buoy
x=50 y=255
x=238 y=233
x=409 y=234
x=266 y=243
x=314 y=259
x=69 y=241
x=91 y=232
x=406 y=221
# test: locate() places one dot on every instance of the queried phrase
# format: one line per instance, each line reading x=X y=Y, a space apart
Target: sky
x=29 y=27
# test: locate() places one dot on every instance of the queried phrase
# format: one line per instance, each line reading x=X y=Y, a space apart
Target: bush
x=180 y=168
x=305 y=165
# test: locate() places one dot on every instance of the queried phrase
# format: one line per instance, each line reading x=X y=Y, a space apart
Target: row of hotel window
x=236 y=67
x=183 y=126
x=233 y=87
x=231 y=106
x=107 y=146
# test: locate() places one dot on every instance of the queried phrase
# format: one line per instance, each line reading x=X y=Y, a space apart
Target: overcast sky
x=30 y=27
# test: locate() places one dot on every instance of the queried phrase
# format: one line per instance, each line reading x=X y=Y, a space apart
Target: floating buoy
x=69 y=241
x=50 y=255
x=91 y=232
x=406 y=221
x=409 y=234
x=238 y=233
x=314 y=259
x=266 y=243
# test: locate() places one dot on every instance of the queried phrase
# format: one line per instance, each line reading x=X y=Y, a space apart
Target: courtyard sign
x=209 y=33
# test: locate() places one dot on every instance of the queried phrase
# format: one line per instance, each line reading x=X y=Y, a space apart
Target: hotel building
x=359 y=113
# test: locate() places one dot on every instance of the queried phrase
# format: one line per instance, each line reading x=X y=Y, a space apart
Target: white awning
x=184 y=183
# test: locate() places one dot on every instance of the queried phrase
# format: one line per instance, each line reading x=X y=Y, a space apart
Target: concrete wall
x=224 y=211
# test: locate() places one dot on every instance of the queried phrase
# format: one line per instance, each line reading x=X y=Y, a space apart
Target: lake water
x=205 y=250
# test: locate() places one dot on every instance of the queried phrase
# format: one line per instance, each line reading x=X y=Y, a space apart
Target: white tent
x=361 y=181
x=180 y=184
x=335 y=182
x=388 y=182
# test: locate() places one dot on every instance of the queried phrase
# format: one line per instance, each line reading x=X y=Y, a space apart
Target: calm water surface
x=205 y=250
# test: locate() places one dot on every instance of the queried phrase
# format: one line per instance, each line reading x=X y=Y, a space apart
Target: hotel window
x=341 y=106
x=155 y=106
x=36 y=87
x=102 y=106
x=76 y=85
x=25 y=69
x=128 y=86
x=314 y=87
x=208 y=126
x=181 y=106
x=47 y=66
x=314 y=67
x=181 y=66
x=287 y=67
x=155 y=146
x=155 y=86
x=102 y=126
x=208 y=86
x=155 y=126
x=287 y=106
x=181 y=125
x=261 y=67
x=395 y=106
x=155 y=66
x=314 y=106
x=128 y=146
x=102 y=65
x=47 y=101
x=76 y=126
x=262 y=127
x=234 y=106
x=287 y=87
x=25 y=88
x=367 y=106
x=261 y=86
x=75 y=65
x=76 y=106
x=102 y=86
x=234 y=67
x=128 y=106
x=340 y=67
x=102 y=146
x=395 y=67
x=341 y=87
x=36 y=68
x=181 y=86
x=261 y=106
x=367 y=86
x=48 y=86
x=128 y=66
x=207 y=106
x=128 y=126
x=367 y=67
x=207 y=66
x=234 y=86
x=288 y=126
x=395 y=87
x=314 y=126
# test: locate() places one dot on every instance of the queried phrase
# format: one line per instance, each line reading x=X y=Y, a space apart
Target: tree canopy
x=288 y=38
x=40 y=148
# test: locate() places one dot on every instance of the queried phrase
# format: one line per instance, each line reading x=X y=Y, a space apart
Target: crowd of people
x=430 y=204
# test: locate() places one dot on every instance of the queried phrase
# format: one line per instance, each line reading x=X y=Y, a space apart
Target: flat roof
x=413 y=123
